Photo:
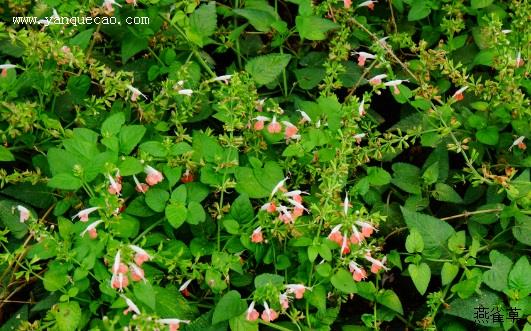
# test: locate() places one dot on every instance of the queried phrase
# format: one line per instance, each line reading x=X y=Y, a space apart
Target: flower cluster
x=358 y=232
x=269 y=314
x=119 y=279
x=286 y=214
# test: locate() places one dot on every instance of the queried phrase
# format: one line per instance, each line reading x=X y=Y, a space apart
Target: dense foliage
x=246 y=164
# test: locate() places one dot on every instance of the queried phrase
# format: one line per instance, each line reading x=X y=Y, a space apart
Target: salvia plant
x=273 y=165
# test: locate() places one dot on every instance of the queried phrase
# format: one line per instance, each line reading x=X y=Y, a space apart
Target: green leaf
x=268 y=279
x=378 y=176
x=314 y=27
x=488 y=136
x=112 y=124
x=196 y=213
x=434 y=232
x=343 y=281
x=130 y=166
x=82 y=39
x=156 y=199
x=444 y=192
x=130 y=136
x=67 y=315
x=456 y=242
x=420 y=275
x=229 y=306
x=418 y=11
x=6 y=155
x=170 y=303
x=131 y=45
x=477 y=4
x=9 y=218
x=496 y=277
x=466 y=308
x=522 y=229
x=414 y=242
x=144 y=293
x=56 y=277
x=265 y=69
x=240 y=323
x=241 y=209
x=127 y=227
x=261 y=20
x=431 y=174
x=78 y=86
x=406 y=177
x=389 y=299
x=309 y=78
x=65 y=182
x=176 y=214
x=519 y=276
x=61 y=161
x=448 y=272
x=203 y=23
x=258 y=182
x=154 y=148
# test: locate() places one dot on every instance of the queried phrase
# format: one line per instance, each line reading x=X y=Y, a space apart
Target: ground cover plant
x=273 y=165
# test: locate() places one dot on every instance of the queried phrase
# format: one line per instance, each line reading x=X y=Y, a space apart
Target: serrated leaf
x=314 y=27
x=343 y=281
x=65 y=182
x=420 y=275
x=434 y=232
x=131 y=45
x=418 y=11
x=496 y=277
x=229 y=306
x=265 y=69
x=203 y=23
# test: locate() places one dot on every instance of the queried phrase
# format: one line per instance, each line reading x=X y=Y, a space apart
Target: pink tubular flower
x=335 y=235
x=361 y=108
x=458 y=95
x=260 y=120
x=141 y=255
x=119 y=282
x=137 y=273
x=153 y=176
x=279 y=186
x=377 y=79
x=347 y=3
x=274 y=126
x=270 y=207
x=297 y=289
x=140 y=187
x=135 y=92
x=368 y=4
x=252 y=314
x=345 y=247
x=297 y=205
x=357 y=272
x=24 y=213
x=130 y=306
x=366 y=228
x=118 y=266
x=225 y=79
x=359 y=137
x=519 y=61
x=363 y=56
x=184 y=288
x=173 y=323
x=115 y=187
x=284 y=300
x=305 y=117
x=186 y=92
x=346 y=204
x=131 y=2
x=518 y=142
x=376 y=264
x=5 y=67
x=356 y=236
x=257 y=236
x=295 y=194
x=290 y=131
x=269 y=315
x=108 y=4
x=91 y=229
x=394 y=84
x=84 y=214
x=260 y=105
x=285 y=215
